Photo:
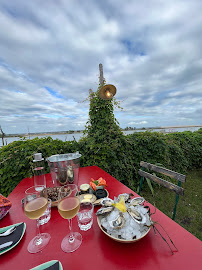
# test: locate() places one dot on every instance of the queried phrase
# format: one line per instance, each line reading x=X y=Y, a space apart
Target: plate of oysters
x=124 y=219
x=52 y=193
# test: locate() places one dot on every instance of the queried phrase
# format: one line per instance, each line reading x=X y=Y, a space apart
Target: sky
x=50 y=52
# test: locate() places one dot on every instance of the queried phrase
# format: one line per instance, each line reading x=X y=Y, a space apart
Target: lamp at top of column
x=107 y=92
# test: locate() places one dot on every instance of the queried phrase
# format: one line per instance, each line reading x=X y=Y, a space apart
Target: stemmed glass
x=68 y=206
x=34 y=207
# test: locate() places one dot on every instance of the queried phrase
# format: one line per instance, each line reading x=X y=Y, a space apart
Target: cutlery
x=9 y=231
x=2 y=246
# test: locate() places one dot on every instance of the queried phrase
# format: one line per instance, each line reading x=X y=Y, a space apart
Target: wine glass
x=34 y=207
x=68 y=206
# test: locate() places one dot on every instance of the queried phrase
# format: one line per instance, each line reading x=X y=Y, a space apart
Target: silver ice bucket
x=64 y=168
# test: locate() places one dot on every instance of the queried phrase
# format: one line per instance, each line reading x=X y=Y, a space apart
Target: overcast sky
x=50 y=51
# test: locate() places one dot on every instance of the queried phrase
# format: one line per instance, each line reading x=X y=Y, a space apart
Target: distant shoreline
x=41 y=134
x=80 y=131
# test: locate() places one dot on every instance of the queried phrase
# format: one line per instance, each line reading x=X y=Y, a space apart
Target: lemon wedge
x=120 y=205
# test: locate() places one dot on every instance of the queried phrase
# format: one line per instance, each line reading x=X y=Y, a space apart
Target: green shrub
x=190 y=145
x=16 y=159
x=118 y=155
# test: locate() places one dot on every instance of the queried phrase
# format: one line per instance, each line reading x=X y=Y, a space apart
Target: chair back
x=172 y=187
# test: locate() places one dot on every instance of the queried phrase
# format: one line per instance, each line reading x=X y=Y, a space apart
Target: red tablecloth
x=98 y=251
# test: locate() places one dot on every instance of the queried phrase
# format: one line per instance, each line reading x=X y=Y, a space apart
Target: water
x=85 y=221
x=77 y=136
x=62 y=137
x=85 y=216
x=39 y=179
x=47 y=215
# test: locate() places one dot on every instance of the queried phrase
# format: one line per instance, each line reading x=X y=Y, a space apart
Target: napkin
x=5 y=205
x=15 y=236
x=55 y=266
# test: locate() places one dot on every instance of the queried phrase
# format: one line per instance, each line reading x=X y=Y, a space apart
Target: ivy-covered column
x=102 y=130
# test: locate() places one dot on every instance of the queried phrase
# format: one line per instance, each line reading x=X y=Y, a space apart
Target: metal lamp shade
x=107 y=92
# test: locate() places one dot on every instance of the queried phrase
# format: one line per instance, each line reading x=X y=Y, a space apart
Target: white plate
x=46 y=265
x=6 y=228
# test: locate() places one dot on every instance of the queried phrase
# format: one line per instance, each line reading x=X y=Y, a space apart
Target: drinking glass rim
x=91 y=210
x=34 y=190
x=87 y=203
x=72 y=185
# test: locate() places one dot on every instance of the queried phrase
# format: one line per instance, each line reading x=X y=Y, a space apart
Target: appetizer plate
x=52 y=193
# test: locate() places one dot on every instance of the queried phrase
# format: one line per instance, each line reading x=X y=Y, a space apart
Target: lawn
x=189 y=207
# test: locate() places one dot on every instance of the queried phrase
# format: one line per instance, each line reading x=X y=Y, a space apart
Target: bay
x=77 y=136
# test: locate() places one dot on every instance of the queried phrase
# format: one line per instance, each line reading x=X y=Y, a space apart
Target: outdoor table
x=97 y=250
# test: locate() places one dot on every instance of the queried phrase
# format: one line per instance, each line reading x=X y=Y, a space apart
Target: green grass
x=189 y=207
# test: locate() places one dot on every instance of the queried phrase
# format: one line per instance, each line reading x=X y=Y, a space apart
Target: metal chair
x=172 y=187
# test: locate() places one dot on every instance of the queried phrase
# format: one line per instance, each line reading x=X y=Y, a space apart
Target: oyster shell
x=137 y=201
x=119 y=222
x=104 y=210
x=126 y=196
x=135 y=215
x=98 y=202
x=106 y=202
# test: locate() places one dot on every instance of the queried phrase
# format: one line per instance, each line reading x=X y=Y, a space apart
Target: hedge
x=180 y=151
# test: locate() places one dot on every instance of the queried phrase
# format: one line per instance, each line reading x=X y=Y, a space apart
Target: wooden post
x=101 y=74
x=2 y=136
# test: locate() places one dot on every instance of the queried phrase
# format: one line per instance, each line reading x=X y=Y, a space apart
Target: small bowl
x=99 y=187
x=101 y=193
x=84 y=188
x=98 y=200
x=87 y=198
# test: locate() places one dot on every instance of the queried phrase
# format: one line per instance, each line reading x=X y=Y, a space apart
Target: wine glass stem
x=71 y=237
x=38 y=233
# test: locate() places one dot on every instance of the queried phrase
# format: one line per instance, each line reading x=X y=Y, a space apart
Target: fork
x=9 y=231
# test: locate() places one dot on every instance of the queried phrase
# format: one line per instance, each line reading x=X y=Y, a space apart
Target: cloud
x=138 y=123
x=50 y=52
